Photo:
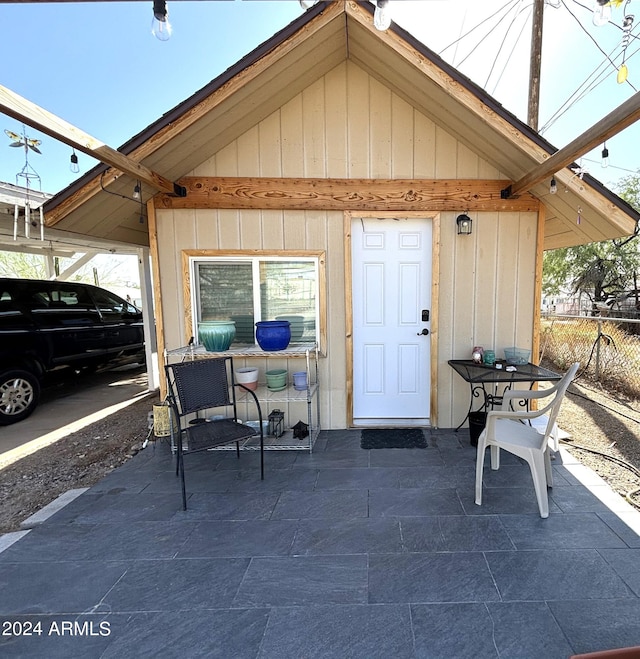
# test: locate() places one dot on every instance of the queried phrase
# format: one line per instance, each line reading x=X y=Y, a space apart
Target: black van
x=45 y=325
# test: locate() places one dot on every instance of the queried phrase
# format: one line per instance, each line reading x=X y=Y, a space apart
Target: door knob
x=424 y=332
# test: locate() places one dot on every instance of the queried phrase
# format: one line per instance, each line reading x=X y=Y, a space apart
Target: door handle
x=424 y=332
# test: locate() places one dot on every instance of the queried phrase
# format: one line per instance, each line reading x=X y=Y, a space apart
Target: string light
x=160 y=26
x=605 y=155
x=553 y=187
x=74 y=166
x=382 y=16
x=601 y=12
x=136 y=191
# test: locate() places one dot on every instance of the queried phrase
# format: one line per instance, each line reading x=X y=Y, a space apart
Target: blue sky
x=97 y=66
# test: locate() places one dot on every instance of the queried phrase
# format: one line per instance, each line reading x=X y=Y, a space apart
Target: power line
x=576 y=96
x=473 y=29
x=504 y=17
x=622 y=169
x=508 y=59
x=512 y=11
x=590 y=36
x=571 y=101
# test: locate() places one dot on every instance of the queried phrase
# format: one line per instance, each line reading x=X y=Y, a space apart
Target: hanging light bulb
x=74 y=166
x=307 y=4
x=136 y=191
x=601 y=12
x=160 y=26
x=553 y=186
x=382 y=15
x=605 y=155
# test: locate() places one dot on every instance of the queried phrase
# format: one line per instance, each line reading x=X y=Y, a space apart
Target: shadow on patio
x=342 y=553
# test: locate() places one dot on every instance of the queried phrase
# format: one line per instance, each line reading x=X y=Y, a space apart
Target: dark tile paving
x=341 y=553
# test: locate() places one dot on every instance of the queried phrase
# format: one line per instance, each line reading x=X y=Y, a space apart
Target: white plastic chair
x=510 y=430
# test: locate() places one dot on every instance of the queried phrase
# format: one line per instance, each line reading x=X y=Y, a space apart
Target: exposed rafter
x=31 y=114
x=622 y=117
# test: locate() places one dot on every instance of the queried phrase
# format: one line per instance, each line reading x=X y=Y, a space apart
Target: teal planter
x=216 y=335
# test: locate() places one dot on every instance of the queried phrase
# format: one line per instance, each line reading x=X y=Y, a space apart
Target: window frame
x=191 y=257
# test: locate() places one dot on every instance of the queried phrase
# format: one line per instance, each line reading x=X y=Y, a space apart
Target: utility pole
x=535 y=65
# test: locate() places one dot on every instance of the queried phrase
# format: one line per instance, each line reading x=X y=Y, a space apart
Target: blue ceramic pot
x=273 y=334
x=216 y=335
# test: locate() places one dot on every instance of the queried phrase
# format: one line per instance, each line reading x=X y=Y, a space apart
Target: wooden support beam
x=31 y=114
x=346 y=194
x=622 y=117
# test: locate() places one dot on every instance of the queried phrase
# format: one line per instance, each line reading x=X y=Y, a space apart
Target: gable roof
x=280 y=68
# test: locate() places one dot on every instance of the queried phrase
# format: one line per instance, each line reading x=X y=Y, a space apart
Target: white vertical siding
x=349 y=125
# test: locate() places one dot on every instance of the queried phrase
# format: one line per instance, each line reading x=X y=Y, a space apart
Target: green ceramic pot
x=216 y=335
x=276 y=379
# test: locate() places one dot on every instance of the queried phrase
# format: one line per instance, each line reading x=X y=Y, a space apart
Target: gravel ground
x=594 y=419
x=599 y=421
x=79 y=460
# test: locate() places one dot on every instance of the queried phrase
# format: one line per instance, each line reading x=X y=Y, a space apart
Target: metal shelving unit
x=270 y=399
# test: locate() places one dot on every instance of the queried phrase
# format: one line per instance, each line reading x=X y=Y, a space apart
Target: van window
x=8 y=307
x=59 y=295
x=111 y=306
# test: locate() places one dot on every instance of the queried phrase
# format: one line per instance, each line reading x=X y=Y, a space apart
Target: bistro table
x=488 y=383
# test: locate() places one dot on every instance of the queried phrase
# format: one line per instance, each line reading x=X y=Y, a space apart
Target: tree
x=23 y=265
x=114 y=272
x=605 y=272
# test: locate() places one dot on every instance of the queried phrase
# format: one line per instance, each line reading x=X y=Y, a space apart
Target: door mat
x=372 y=438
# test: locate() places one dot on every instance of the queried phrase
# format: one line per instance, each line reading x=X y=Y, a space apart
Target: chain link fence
x=608 y=349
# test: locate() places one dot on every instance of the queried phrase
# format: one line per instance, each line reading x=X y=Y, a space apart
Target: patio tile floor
x=343 y=553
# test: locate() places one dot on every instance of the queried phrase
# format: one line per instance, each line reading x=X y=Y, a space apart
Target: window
x=247 y=289
x=111 y=306
x=59 y=295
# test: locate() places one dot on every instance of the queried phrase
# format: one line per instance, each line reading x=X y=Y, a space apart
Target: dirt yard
x=600 y=422
x=79 y=460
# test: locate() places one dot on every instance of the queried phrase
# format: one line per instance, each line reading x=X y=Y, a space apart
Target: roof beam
x=31 y=114
x=616 y=121
x=346 y=194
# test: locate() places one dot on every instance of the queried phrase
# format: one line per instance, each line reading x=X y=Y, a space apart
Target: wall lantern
x=464 y=223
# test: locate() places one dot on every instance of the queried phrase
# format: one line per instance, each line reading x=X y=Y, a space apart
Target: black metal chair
x=195 y=386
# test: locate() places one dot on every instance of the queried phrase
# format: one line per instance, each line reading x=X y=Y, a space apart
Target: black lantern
x=464 y=223
x=276 y=423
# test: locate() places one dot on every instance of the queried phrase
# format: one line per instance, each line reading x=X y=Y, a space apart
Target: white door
x=391 y=291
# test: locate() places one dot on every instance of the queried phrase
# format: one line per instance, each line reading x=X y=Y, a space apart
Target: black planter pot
x=477 y=422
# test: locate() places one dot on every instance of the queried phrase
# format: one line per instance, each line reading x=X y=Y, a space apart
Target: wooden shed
x=326 y=171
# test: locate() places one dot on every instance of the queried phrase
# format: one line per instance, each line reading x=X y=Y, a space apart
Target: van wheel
x=19 y=395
